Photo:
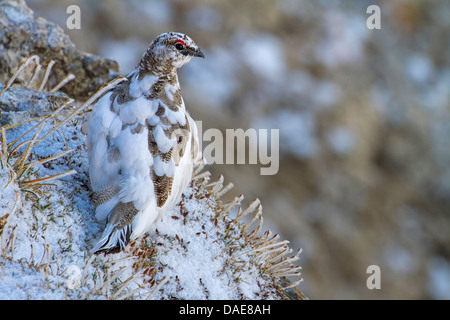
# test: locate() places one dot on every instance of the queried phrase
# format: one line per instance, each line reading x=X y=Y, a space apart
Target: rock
x=19 y=104
x=23 y=35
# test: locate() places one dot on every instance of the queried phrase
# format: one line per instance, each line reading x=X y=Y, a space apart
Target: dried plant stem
x=37 y=68
x=159 y=286
x=39 y=129
x=49 y=178
x=224 y=190
x=56 y=156
x=22 y=66
x=4 y=150
x=123 y=286
x=198 y=169
x=260 y=248
x=87 y=103
x=5 y=246
x=236 y=202
x=201 y=176
x=63 y=82
x=294 y=284
x=46 y=75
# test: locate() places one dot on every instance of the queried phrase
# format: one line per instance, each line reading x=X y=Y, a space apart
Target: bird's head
x=170 y=51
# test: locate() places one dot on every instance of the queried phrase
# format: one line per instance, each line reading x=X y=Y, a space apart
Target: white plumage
x=142 y=144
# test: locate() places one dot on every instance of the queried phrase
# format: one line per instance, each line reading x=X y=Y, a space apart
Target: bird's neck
x=163 y=86
x=150 y=65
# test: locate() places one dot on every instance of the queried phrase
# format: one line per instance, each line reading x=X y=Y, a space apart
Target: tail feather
x=113 y=239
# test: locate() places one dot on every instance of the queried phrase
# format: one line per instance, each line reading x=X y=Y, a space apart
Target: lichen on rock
x=23 y=35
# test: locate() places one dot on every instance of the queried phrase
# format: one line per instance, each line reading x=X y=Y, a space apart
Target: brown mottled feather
x=123 y=214
x=163 y=187
x=101 y=196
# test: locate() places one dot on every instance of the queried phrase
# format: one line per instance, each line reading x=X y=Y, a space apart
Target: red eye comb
x=181 y=42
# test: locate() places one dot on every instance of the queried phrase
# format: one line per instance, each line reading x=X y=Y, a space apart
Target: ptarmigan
x=142 y=144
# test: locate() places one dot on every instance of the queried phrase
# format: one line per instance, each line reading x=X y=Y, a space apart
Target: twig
x=160 y=284
x=63 y=82
x=22 y=66
x=46 y=75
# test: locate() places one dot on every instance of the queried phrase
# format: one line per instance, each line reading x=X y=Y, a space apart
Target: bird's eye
x=179 y=45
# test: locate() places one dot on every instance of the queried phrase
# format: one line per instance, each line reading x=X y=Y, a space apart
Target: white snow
x=10 y=190
x=209 y=274
x=54 y=230
x=21 y=282
x=17 y=14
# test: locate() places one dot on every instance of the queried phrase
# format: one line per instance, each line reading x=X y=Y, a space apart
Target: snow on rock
x=17 y=13
x=18 y=280
x=10 y=195
x=13 y=110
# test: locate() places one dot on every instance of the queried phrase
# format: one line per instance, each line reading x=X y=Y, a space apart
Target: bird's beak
x=193 y=52
x=198 y=53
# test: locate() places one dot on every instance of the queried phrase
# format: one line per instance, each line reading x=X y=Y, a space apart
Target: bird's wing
x=119 y=158
x=168 y=135
x=102 y=171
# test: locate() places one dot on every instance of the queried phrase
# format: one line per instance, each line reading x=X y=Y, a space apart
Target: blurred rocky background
x=364 y=120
